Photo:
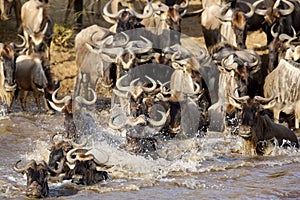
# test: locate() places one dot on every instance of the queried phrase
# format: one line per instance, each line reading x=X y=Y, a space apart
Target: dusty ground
x=63 y=58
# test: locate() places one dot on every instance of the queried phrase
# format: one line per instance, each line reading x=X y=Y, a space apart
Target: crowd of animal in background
x=224 y=86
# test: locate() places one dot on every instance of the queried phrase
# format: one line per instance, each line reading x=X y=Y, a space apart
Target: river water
x=212 y=166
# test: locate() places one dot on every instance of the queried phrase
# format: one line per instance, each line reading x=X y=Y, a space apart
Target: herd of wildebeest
x=161 y=89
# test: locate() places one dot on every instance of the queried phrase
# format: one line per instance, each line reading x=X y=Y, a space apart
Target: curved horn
x=120 y=87
x=180 y=6
x=289 y=10
x=55 y=107
x=154 y=84
x=105 y=41
x=251 y=7
x=132 y=83
x=147 y=15
x=115 y=44
x=257 y=10
x=141 y=47
x=21 y=45
x=121 y=94
x=264 y=100
x=160 y=122
x=289 y=39
x=52 y=138
x=45 y=29
x=163 y=88
x=71 y=152
x=113 y=126
x=273 y=33
x=63 y=100
x=238 y=99
x=221 y=15
x=21 y=170
x=76 y=145
x=231 y=66
x=198 y=88
x=80 y=99
x=108 y=14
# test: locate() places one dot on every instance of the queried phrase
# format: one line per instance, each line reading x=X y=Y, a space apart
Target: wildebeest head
x=37 y=26
x=250 y=110
x=8 y=63
x=126 y=19
x=273 y=12
x=86 y=168
x=238 y=20
x=38 y=42
x=57 y=156
x=37 y=177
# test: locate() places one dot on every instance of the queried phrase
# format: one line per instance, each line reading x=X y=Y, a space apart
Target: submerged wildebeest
x=256 y=127
x=36 y=178
x=86 y=168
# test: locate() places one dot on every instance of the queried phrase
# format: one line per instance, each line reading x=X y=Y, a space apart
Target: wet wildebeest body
x=239 y=68
x=85 y=173
x=37 y=177
x=57 y=158
x=256 y=127
x=86 y=169
x=31 y=75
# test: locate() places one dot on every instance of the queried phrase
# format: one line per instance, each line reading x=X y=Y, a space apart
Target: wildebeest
x=125 y=19
x=37 y=27
x=280 y=18
x=256 y=127
x=8 y=85
x=6 y=8
x=224 y=23
x=31 y=75
x=86 y=169
x=58 y=152
x=284 y=82
x=238 y=69
x=36 y=178
x=164 y=19
x=70 y=129
x=94 y=58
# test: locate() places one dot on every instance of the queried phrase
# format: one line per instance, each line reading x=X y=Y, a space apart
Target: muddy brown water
x=211 y=167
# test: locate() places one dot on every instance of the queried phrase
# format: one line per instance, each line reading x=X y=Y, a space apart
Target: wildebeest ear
x=271 y=104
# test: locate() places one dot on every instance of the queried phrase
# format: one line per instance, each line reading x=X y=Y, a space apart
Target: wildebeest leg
x=17 y=8
x=23 y=97
x=36 y=95
x=70 y=2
